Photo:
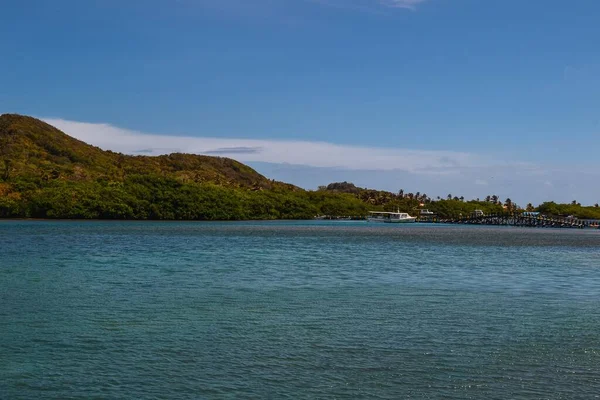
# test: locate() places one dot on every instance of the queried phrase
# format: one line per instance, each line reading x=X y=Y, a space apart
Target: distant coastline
x=47 y=175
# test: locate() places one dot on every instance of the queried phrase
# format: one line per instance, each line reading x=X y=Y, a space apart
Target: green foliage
x=338 y=204
x=31 y=149
x=47 y=174
x=454 y=208
x=378 y=200
x=565 y=210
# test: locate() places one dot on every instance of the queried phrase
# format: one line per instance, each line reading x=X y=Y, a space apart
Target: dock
x=521 y=220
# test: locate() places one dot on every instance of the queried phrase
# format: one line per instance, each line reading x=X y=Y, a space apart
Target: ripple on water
x=297 y=310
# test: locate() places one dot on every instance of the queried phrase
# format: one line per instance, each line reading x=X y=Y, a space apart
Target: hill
x=44 y=173
x=30 y=147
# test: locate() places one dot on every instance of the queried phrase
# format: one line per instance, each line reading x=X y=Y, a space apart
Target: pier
x=525 y=219
x=520 y=219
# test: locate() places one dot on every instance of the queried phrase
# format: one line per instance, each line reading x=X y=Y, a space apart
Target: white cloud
x=314 y=154
x=309 y=164
x=504 y=182
x=265 y=8
x=411 y=4
x=369 y=5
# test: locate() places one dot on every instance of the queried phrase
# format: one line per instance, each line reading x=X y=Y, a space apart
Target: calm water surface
x=297 y=310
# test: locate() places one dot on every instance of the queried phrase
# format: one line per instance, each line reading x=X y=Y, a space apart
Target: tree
x=488 y=198
x=596 y=205
x=449 y=197
x=462 y=198
x=509 y=204
x=529 y=207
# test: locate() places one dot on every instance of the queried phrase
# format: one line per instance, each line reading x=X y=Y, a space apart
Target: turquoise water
x=331 y=310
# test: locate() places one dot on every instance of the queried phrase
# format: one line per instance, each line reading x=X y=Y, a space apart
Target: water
x=331 y=310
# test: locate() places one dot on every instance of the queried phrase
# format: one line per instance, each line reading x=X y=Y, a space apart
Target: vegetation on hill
x=413 y=202
x=574 y=209
x=31 y=148
x=454 y=206
x=45 y=173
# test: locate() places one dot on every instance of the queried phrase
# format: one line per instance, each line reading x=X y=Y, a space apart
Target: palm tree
x=509 y=204
x=462 y=198
x=488 y=198
x=449 y=197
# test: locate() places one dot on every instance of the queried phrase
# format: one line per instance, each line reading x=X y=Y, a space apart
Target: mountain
x=44 y=173
x=30 y=147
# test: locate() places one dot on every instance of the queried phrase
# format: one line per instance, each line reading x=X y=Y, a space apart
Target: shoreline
x=328 y=222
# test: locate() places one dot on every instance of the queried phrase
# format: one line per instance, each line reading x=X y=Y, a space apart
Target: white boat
x=390 y=217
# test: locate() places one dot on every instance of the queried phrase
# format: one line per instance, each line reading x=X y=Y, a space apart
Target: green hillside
x=30 y=147
x=45 y=173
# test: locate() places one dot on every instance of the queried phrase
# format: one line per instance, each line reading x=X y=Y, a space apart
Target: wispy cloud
x=411 y=4
x=287 y=11
x=314 y=154
x=235 y=150
x=309 y=164
x=370 y=5
x=471 y=183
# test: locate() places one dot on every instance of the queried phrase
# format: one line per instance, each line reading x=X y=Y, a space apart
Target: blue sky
x=470 y=96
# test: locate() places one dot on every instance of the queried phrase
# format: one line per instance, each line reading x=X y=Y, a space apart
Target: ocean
x=297 y=310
